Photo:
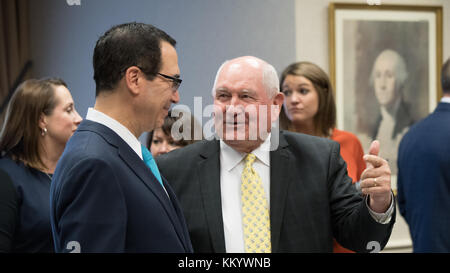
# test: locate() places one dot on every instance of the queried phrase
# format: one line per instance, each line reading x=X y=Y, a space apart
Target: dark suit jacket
x=9 y=212
x=424 y=181
x=104 y=197
x=312 y=199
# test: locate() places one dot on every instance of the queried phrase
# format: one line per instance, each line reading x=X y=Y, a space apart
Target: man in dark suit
x=424 y=176
x=104 y=197
x=279 y=192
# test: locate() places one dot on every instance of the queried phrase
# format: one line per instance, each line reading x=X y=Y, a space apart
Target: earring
x=44 y=131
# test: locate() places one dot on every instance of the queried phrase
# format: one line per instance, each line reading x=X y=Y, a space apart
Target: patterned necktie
x=150 y=162
x=255 y=210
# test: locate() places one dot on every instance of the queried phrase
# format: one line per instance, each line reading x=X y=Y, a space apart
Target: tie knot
x=249 y=159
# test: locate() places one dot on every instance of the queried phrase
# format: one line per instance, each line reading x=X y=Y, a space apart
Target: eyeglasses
x=176 y=82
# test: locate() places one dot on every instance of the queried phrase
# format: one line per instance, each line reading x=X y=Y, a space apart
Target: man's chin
x=158 y=124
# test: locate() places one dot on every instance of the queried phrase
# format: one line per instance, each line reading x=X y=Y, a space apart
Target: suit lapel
x=139 y=168
x=182 y=229
x=279 y=182
x=209 y=178
x=144 y=173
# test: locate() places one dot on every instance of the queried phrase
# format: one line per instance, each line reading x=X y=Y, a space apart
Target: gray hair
x=401 y=74
x=270 y=79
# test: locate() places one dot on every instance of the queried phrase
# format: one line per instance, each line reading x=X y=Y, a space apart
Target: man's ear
x=133 y=78
x=278 y=100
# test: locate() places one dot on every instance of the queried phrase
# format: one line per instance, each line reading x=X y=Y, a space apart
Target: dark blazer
x=424 y=181
x=9 y=211
x=312 y=199
x=32 y=232
x=106 y=199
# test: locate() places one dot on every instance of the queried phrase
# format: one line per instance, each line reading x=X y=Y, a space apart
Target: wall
x=207 y=33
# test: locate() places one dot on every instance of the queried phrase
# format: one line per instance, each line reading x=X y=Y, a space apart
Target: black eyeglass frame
x=176 y=82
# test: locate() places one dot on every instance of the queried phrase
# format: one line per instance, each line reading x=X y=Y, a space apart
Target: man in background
x=424 y=176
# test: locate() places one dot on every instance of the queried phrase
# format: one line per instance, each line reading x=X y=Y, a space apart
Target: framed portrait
x=385 y=65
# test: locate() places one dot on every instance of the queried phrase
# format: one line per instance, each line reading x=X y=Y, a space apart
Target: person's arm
x=376 y=180
x=90 y=210
x=8 y=212
x=353 y=225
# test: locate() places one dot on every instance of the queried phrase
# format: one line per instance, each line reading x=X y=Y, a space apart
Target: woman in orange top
x=309 y=108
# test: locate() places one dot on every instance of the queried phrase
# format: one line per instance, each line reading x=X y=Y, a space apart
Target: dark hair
x=20 y=135
x=325 y=119
x=169 y=120
x=127 y=45
x=445 y=77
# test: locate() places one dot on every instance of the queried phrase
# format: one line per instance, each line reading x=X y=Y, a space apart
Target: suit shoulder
x=188 y=152
x=299 y=139
x=310 y=146
x=86 y=144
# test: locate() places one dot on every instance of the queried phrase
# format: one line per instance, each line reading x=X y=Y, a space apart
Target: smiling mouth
x=234 y=123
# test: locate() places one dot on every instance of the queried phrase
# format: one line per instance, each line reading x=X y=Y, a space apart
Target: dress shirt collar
x=117 y=127
x=231 y=157
x=445 y=99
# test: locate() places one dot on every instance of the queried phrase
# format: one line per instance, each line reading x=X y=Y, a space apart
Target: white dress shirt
x=117 y=127
x=231 y=167
x=445 y=99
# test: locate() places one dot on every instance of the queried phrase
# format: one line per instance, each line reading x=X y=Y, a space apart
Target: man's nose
x=163 y=148
x=234 y=101
x=383 y=80
x=176 y=97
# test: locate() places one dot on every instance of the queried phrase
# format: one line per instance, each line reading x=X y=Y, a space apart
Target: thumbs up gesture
x=376 y=180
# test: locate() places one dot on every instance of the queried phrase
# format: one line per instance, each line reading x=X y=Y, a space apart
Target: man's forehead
x=240 y=73
x=387 y=59
x=239 y=82
x=243 y=63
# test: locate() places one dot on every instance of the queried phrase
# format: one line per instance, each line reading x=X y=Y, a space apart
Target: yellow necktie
x=255 y=210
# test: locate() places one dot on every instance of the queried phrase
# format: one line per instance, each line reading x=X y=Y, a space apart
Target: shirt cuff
x=382 y=218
